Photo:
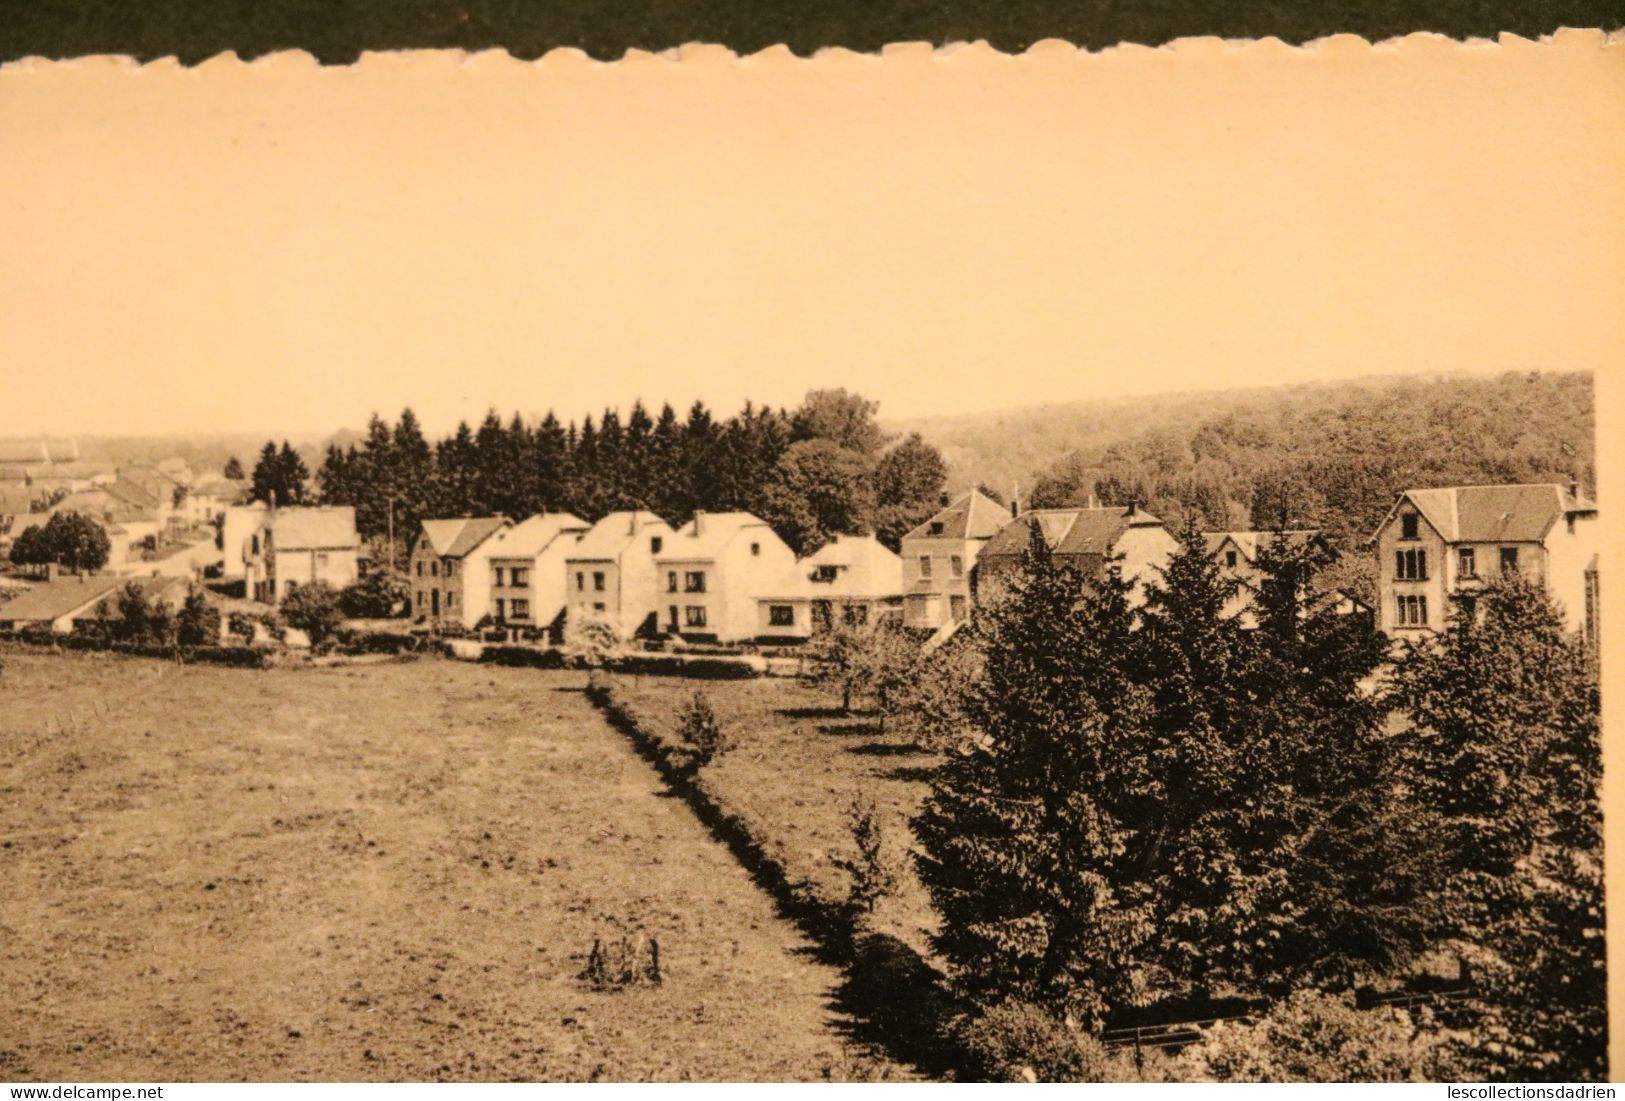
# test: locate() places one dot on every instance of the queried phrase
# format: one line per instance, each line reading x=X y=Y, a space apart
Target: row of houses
x=728 y=577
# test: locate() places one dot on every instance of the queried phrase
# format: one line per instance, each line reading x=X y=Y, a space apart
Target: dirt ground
x=368 y=873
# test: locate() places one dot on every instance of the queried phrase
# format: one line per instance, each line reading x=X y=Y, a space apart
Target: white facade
x=715 y=571
x=609 y=574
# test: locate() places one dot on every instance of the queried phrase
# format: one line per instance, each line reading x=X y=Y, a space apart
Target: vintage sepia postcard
x=929 y=566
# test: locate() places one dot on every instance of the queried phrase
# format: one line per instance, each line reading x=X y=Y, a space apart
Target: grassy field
x=385 y=872
x=797 y=765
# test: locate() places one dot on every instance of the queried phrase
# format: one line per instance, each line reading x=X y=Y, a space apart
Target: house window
x=451 y=569
x=254 y=543
x=1509 y=559
x=598 y=581
x=694 y=581
x=502 y=609
x=925 y=565
x=581 y=581
x=598 y=607
x=498 y=572
x=1408 y=526
x=451 y=599
x=420 y=594
x=671 y=581
x=420 y=568
x=655 y=543
x=781 y=615
x=956 y=607
x=856 y=615
x=518 y=577
x=936 y=527
x=956 y=565
x=820 y=614
x=1466 y=563
x=1413 y=611
x=1230 y=559
x=756 y=549
x=1411 y=565
x=694 y=616
x=520 y=609
x=434 y=569
x=824 y=573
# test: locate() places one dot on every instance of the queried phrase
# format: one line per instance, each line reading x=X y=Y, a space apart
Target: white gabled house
x=854 y=580
x=609 y=574
x=527 y=570
x=291 y=547
x=713 y=573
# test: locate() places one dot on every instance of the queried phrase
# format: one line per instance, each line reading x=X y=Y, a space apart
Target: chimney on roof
x=1574 y=487
x=942 y=501
x=699 y=521
x=631 y=523
x=1133 y=508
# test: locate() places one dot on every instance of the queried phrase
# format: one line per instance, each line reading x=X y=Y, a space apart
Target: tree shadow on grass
x=860 y=727
x=813 y=713
x=886 y=749
x=912 y=773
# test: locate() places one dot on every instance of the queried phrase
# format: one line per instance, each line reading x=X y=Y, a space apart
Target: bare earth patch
x=377 y=873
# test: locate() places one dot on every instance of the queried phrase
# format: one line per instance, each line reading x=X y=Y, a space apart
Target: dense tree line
x=820 y=470
x=1158 y=805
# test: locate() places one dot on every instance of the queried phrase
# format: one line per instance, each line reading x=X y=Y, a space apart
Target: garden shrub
x=1314 y=1037
x=676 y=665
x=701 y=730
x=1017 y=1041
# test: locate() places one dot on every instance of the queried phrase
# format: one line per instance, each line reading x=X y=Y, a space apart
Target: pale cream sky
x=282 y=247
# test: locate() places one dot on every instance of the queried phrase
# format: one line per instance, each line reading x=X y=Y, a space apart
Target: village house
x=1236 y=555
x=939 y=555
x=1437 y=547
x=450 y=570
x=207 y=499
x=610 y=572
x=238 y=523
x=1084 y=539
x=62 y=602
x=527 y=570
x=715 y=570
x=300 y=546
x=854 y=580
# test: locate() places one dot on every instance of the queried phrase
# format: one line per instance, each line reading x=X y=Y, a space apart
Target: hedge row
x=241 y=657
x=527 y=657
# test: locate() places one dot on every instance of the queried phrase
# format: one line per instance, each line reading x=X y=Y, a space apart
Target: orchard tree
x=198 y=622
x=68 y=539
x=234 y=469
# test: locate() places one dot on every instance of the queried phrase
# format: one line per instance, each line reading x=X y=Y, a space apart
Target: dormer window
x=655 y=543
x=824 y=573
x=936 y=527
x=756 y=549
x=1408 y=527
x=1230 y=559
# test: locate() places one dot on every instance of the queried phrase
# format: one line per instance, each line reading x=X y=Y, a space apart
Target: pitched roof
x=455 y=538
x=1070 y=531
x=535 y=534
x=45 y=601
x=1494 y=514
x=1248 y=542
x=973 y=515
x=24 y=451
x=135 y=493
x=614 y=533
x=227 y=489
x=327 y=528
x=863 y=569
x=101 y=505
x=707 y=535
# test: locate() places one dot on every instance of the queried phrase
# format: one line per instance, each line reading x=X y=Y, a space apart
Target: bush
x=313 y=609
x=198 y=623
x=699 y=727
x=525 y=657
x=1016 y=1041
x=1313 y=1037
x=677 y=665
x=374 y=642
x=378 y=593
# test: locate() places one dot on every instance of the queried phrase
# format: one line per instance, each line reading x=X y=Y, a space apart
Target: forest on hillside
x=1330 y=454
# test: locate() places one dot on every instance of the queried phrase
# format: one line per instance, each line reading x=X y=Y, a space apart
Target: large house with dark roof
x=938 y=557
x=1436 y=546
x=450 y=570
x=1084 y=539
